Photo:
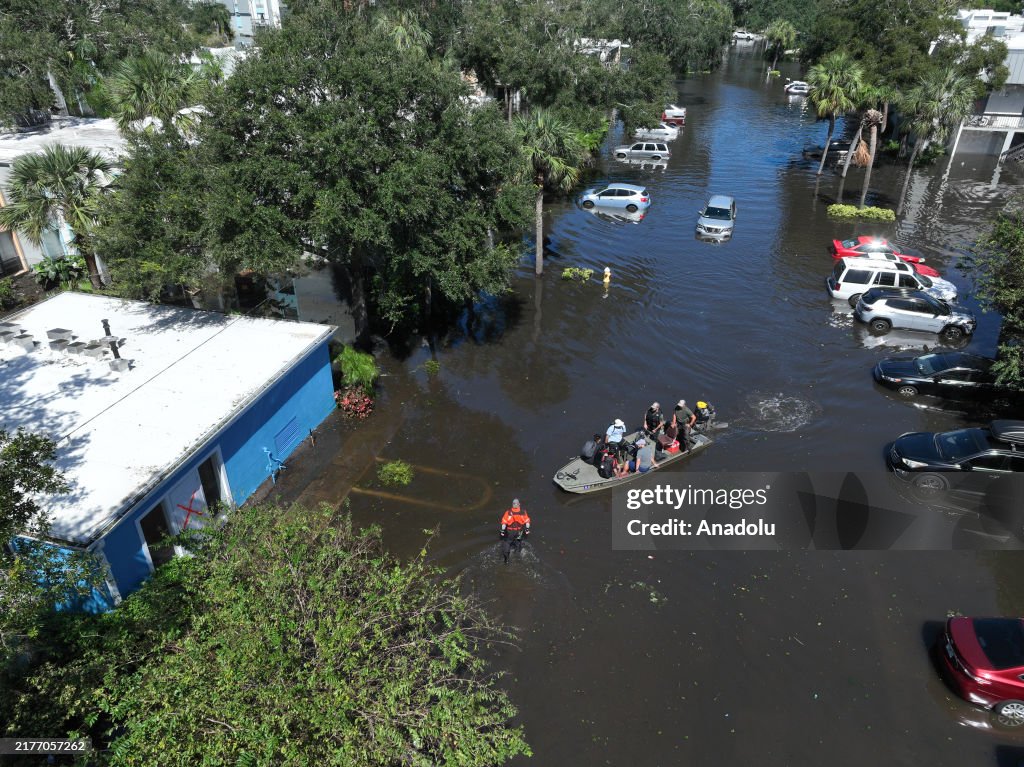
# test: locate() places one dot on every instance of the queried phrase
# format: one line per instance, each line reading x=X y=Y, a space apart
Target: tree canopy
x=289 y=638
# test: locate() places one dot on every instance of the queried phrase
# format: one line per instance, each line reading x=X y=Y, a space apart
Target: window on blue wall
x=209 y=476
x=155 y=531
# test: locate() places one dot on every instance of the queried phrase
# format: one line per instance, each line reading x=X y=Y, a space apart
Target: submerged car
x=851 y=277
x=717 y=218
x=951 y=375
x=936 y=462
x=982 y=660
x=876 y=247
x=642 y=150
x=674 y=115
x=662 y=131
x=797 y=88
x=628 y=196
x=887 y=308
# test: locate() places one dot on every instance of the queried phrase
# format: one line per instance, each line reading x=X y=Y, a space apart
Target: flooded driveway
x=692 y=657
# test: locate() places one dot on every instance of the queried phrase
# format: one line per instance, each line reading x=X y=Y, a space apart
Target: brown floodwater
x=793 y=658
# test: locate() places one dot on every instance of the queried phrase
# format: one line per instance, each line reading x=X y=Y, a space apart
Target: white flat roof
x=119 y=433
x=99 y=135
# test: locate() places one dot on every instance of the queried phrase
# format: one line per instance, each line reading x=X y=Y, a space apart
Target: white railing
x=994 y=122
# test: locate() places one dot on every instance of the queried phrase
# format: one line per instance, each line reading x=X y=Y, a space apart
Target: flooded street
x=693 y=657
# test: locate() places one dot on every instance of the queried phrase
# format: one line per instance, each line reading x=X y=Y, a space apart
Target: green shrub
x=576 y=273
x=395 y=473
x=852 y=211
x=65 y=271
x=8 y=295
x=774 y=73
x=433 y=367
x=358 y=368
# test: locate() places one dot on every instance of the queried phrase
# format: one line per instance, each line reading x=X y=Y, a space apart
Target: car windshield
x=1002 y=639
x=956 y=445
x=722 y=214
x=930 y=364
x=925 y=281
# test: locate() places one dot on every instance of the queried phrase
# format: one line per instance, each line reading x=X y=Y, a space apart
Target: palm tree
x=872 y=120
x=404 y=30
x=781 y=36
x=834 y=81
x=60 y=186
x=154 y=85
x=940 y=101
x=553 y=155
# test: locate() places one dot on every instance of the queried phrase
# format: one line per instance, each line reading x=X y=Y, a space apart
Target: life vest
x=515 y=519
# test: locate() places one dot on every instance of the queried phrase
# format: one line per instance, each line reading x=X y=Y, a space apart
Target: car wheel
x=631 y=208
x=930 y=483
x=621 y=155
x=656 y=157
x=907 y=392
x=881 y=325
x=953 y=333
x=854 y=299
x=588 y=204
x=1012 y=710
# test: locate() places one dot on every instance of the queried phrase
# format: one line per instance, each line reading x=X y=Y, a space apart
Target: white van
x=853 y=276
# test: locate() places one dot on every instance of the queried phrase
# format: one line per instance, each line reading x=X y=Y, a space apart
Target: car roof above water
x=720 y=201
x=630 y=187
x=859 y=262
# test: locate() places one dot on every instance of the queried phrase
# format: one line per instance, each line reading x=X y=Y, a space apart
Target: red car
x=983 y=661
x=875 y=247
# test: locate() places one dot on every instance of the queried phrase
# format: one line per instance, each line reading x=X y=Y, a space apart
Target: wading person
x=515 y=526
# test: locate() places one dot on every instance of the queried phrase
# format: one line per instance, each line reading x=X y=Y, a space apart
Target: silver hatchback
x=642 y=150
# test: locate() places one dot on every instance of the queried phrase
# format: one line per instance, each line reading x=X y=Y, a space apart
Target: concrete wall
x=302 y=400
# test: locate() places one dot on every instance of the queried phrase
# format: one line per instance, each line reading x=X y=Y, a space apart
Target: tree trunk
x=828 y=140
x=94 y=271
x=871 y=164
x=906 y=181
x=58 y=94
x=357 y=285
x=538 y=300
x=539 y=264
x=885 y=118
x=775 y=60
x=853 y=147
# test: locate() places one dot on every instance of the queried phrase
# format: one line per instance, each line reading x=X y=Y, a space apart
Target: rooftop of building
x=119 y=434
x=99 y=135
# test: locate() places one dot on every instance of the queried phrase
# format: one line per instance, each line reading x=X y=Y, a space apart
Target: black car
x=963 y=459
x=952 y=375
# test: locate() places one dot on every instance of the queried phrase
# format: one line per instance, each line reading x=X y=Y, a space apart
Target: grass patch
x=852 y=211
x=395 y=473
x=433 y=367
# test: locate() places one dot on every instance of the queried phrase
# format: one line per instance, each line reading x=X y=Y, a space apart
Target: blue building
x=161 y=416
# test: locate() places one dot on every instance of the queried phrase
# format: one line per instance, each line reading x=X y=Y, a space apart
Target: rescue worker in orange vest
x=515 y=526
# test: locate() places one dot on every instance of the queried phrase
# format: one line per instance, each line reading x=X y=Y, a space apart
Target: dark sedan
x=986 y=462
x=951 y=375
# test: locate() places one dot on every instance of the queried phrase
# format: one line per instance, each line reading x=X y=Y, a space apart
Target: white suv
x=851 y=277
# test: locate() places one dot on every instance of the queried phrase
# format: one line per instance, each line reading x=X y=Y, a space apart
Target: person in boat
x=515 y=527
x=616 y=432
x=644 y=460
x=685 y=419
x=591 y=448
x=654 y=421
x=705 y=412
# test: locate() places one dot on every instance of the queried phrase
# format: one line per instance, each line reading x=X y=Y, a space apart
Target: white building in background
x=17 y=253
x=998 y=127
x=247 y=16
